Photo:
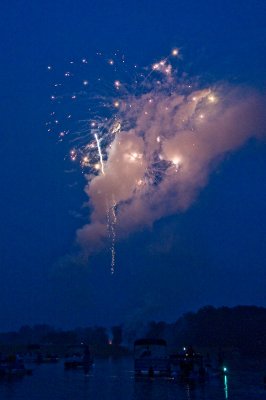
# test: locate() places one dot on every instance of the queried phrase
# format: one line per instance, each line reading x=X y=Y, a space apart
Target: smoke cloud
x=163 y=156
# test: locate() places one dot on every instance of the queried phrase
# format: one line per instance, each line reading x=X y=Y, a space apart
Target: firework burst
x=145 y=138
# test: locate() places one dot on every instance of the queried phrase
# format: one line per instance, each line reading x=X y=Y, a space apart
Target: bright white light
x=175 y=52
x=212 y=98
x=99 y=151
x=176 y=161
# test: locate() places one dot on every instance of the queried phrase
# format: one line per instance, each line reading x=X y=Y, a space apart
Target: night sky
x=213 y=253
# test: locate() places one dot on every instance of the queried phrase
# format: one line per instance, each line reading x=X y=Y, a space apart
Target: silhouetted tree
x=60 y=338
x=117 y=335
x=156 y=330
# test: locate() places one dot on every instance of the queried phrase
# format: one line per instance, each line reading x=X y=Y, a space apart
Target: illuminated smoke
x=157 y=167
x=151 y=145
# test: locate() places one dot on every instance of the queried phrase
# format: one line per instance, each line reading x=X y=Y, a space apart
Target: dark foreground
x=113 y=379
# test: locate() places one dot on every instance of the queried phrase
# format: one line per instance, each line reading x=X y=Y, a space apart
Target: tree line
x=48 y=335
x=241 y=328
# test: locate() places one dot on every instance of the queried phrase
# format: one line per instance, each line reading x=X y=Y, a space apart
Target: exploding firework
x=92 y=130
x=145 y=138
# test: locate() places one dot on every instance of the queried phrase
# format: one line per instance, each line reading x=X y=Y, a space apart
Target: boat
x=187 y=364
x=151 y=358
x=47 y=358
x=191 y=365
x=12 y=367
x=38 y=354
x=78 y=357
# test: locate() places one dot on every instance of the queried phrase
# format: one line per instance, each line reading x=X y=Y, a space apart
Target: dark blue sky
x=213 y=254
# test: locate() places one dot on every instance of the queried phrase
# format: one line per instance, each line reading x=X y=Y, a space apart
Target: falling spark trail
x=113 y=224
x=99 y=151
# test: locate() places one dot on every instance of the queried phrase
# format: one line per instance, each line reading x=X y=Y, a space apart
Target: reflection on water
x=226 y=386
x=114 y=380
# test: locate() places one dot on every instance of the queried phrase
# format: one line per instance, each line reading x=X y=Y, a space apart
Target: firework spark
x=99 y=151
x=113 y=226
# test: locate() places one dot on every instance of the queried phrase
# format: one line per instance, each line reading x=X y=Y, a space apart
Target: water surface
x=113 y=379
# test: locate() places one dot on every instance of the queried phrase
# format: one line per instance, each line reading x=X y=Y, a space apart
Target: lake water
x=114 y=380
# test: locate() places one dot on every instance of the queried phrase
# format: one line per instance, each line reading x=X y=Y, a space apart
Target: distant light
x=176 y=161
x=175 y=52
x=224 y=369
x=212 y=98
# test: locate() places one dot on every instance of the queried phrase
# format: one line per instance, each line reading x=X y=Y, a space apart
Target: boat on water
x=78 y=356
x=13 y=366
x=46 y=358
x=40 y=354
x=151 y=358
x=188 y=364
x=191 y=365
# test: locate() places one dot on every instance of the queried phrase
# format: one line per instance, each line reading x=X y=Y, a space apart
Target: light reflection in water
x=226 y=387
